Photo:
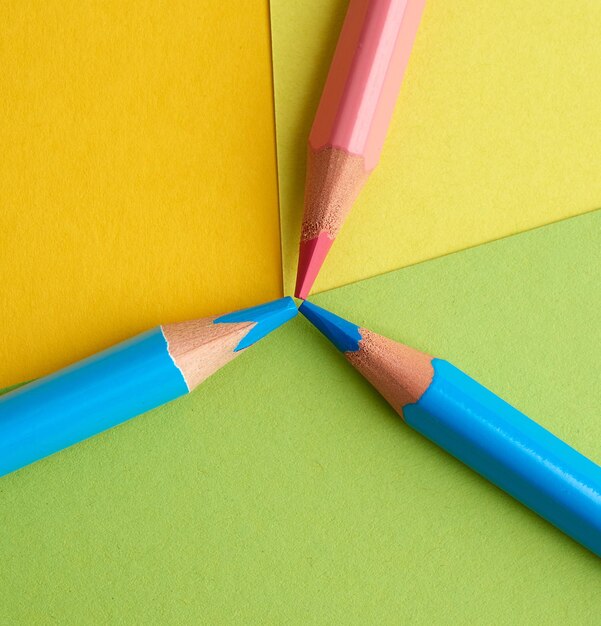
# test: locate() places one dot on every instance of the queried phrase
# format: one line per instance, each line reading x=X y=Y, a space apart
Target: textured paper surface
x=495 y=130
x=138 y=179
x=286 y=491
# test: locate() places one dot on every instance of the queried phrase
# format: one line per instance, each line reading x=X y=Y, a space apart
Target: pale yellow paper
x=137 y=176
x=496 y=129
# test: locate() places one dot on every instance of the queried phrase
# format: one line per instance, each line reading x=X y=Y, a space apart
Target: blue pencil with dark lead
x=477 y=427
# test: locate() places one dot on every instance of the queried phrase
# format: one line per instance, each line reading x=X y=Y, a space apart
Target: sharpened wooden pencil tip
x=200 y=347
x=311 y=256
x=400 y=373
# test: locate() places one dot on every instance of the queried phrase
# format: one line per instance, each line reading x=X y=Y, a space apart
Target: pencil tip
x=267 y=317
x=343 y=334
x=312 y=254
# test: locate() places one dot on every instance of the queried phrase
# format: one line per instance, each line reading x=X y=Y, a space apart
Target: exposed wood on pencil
x=200 y=347
x=334 y=179
x=352 y=120
x=400 y=373
x=454 y=411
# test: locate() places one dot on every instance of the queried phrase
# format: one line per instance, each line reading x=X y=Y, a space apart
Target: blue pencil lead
x=343 y=334
x=268 y=317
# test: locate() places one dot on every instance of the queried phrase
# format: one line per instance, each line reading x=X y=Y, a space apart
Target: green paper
x=286 y=491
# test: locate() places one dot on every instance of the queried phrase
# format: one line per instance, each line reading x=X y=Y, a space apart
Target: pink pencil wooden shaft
x=352 y=120
x=365 y=77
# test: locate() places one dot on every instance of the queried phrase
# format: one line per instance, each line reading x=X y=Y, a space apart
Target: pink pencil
x=352 y=119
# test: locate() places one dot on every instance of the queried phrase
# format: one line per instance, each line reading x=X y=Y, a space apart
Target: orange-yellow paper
x=137 y=183
x=496 y=129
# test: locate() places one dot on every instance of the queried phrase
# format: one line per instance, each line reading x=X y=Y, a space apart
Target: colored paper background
x=286 y=491
x=138 y=179
x=495 y=130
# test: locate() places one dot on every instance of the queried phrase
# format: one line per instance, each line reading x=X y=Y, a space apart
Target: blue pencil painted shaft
x=477 y=427
x=126 y=380
x=512 y=451
x=86 y=398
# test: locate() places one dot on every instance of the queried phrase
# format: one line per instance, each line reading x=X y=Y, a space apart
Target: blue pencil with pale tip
x=477 y=427
x=133 y=377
